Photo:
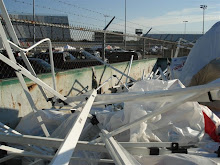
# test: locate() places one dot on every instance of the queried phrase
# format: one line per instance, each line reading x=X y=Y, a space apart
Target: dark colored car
x=69 y=60
x=39 y=66
x=80 y=55
x=122 y=56
x=57 y=56
x=83 y=59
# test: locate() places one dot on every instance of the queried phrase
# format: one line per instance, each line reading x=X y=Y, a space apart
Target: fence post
x=103 y=46
x=144 y=53
x=51 y=33
x=63 y=34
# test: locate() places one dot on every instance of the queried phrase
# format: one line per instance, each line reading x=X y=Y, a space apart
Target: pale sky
x=163 y=16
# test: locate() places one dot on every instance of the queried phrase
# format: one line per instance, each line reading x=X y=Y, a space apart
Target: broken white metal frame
x=81 y=145
x=162 y=74
x=133 y=148
x=6 y=131
x=209 y=92
x=21 y=79
x=23 y=153
x=50 y=54
x=150 y=76
x=124 y=84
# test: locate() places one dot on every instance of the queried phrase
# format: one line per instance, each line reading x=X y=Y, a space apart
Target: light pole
x=185 y=28
x=125 y=23
x=203 y=7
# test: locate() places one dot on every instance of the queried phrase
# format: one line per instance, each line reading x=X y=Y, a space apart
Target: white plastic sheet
x=30 y=126
x=184 y=124
x=206 y=49
x=176 y=66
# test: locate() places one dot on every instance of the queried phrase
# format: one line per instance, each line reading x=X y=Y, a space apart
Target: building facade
x=110 y=38
x=25 y=31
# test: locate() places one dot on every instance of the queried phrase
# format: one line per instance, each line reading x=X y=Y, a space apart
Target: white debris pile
x=183 y=124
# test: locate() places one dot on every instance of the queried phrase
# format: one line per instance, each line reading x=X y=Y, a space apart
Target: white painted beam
x=20 y=77
x=48 y=142
x=67 y=148
x=19 y=152
x=116 y=151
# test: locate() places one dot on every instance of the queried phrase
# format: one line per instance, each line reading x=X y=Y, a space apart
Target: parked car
x=57 y=56
x=118 y=50
x=80 y=54
x=83 y=59
x=122 y=56
x=69 y=60
x=39 y=66
x=131 y=50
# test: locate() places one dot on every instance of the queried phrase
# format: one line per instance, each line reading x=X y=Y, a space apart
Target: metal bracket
x=94 y=120
x=176 y=149
x=154 y=151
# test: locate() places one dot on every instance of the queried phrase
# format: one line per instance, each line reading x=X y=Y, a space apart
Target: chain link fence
x=71 y=45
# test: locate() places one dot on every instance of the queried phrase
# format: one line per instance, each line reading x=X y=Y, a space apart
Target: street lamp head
x=106 y=15
x=203 y=7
